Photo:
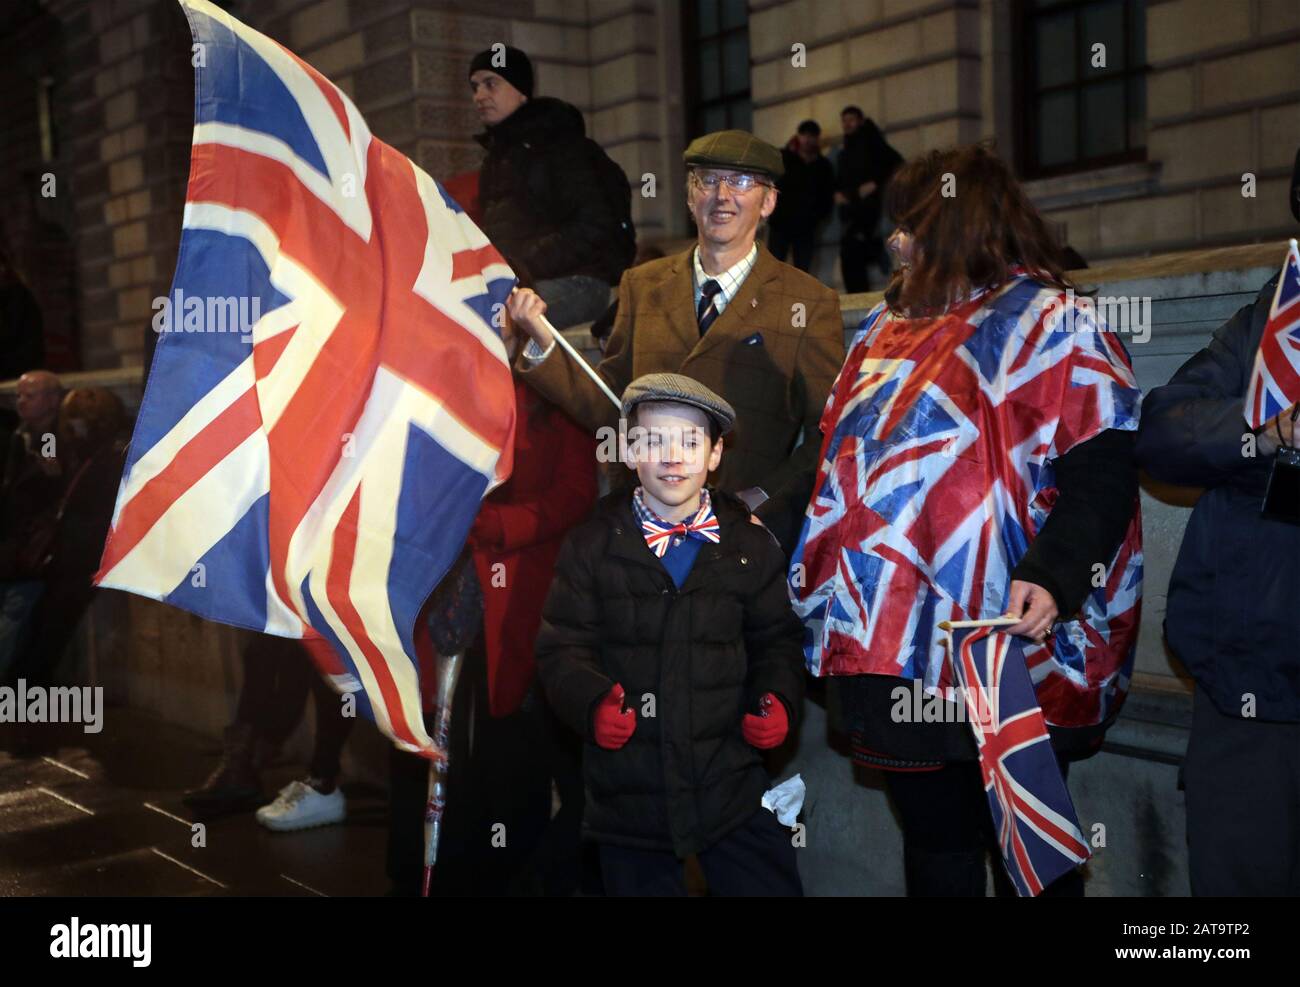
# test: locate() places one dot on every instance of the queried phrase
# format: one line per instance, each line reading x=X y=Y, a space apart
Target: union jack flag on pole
x=1275 y=381
x=316 y=471
x=1033 y=818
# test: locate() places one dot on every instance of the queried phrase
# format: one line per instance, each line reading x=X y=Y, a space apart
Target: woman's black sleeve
x=1097 y=482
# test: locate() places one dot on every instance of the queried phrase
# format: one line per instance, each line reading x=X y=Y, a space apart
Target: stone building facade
x=99 y=95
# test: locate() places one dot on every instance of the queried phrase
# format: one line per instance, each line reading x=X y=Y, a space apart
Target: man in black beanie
x=552 y=201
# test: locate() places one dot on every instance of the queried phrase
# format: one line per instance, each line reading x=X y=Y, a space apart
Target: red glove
x=611 y=723
x=769 y=727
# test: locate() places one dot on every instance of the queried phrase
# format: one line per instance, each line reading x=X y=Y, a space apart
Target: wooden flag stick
x=587 y=368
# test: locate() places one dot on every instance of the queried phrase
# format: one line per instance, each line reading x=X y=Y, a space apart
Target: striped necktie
x=708 y=310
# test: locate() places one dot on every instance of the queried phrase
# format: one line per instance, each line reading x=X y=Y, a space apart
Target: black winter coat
x=706 y=653
x=1232 y=613
x=539 y=193
x=807 y=191
x=865 y=157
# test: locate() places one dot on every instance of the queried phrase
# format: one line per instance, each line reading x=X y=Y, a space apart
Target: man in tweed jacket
x=765 y=336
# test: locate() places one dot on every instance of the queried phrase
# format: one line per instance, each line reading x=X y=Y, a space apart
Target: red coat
x=517 y=537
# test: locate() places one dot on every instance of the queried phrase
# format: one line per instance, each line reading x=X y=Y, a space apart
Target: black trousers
x=1243 y=804
x=755 y=860
x=278 y=677
x=861 y=248
x=948 y=831
x=803 y=243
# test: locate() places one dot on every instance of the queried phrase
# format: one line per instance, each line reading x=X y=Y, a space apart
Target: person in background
x=806 y=193
x=31 y=487
x=279 y=674
x=550 y=199
x=22 y=332
x=91 y=453
x=865 y=163
x=507 y=747
x=1232 y=612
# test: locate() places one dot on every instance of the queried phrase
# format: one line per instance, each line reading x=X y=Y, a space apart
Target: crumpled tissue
x=786 y=799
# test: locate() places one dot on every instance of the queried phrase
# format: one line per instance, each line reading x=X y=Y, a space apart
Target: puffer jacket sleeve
x=773 y=634
x=568 y=643
x=585 y=234
x=1193 y=429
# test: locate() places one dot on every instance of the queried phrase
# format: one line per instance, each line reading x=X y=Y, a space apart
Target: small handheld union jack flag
x=1275 y=381
x=1033 y=817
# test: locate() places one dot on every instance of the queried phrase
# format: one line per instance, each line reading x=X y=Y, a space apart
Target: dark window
x=716 y=64
x=1075 y=114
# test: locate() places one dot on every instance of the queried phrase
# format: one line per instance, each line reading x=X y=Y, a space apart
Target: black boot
x=234 y=786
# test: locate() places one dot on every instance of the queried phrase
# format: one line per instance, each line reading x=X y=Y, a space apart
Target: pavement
x=101 y=815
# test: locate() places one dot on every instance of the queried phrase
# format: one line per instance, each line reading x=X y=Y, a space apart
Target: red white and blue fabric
x=1034 y=820
x=322 y=479
x=936 y=476
x=661 y=534
x=1275 y=380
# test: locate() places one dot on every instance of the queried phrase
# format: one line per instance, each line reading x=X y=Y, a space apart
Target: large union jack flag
x=1033 y=817
x=1275 y=380
x=317 y=473
x=936 y=476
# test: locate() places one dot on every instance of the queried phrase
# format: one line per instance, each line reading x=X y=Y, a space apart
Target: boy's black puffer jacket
x=703 y=655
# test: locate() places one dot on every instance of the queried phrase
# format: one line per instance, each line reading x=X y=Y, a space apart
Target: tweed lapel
x=738 y=318
x=673 y=299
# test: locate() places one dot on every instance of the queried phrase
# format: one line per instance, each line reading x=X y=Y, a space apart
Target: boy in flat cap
x=552 y=201
x=668 y=643
x=765 y=336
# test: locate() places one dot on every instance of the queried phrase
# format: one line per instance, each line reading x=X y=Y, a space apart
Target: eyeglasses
x=737 y=181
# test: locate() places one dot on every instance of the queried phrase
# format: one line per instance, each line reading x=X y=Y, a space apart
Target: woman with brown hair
x=976 y=463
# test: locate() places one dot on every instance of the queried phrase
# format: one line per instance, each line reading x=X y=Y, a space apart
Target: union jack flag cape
x=314 y=473
x=1275 y=380
x=1033 y=817
x=936 y=476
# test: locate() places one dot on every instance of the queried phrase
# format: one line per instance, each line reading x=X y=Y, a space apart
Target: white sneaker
x=299 y=806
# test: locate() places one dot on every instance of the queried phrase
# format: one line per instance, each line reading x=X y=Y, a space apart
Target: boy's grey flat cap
x=680 y=390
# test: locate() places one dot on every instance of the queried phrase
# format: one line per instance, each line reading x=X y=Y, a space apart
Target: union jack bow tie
x=658 y=534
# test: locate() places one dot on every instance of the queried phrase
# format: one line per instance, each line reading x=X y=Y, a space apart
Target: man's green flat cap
x=735 y=149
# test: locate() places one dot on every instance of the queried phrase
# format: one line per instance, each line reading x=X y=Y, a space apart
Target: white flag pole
x=577 y=357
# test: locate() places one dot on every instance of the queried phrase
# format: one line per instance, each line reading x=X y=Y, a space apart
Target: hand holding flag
x=1034 y=820
x=1275 y=381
